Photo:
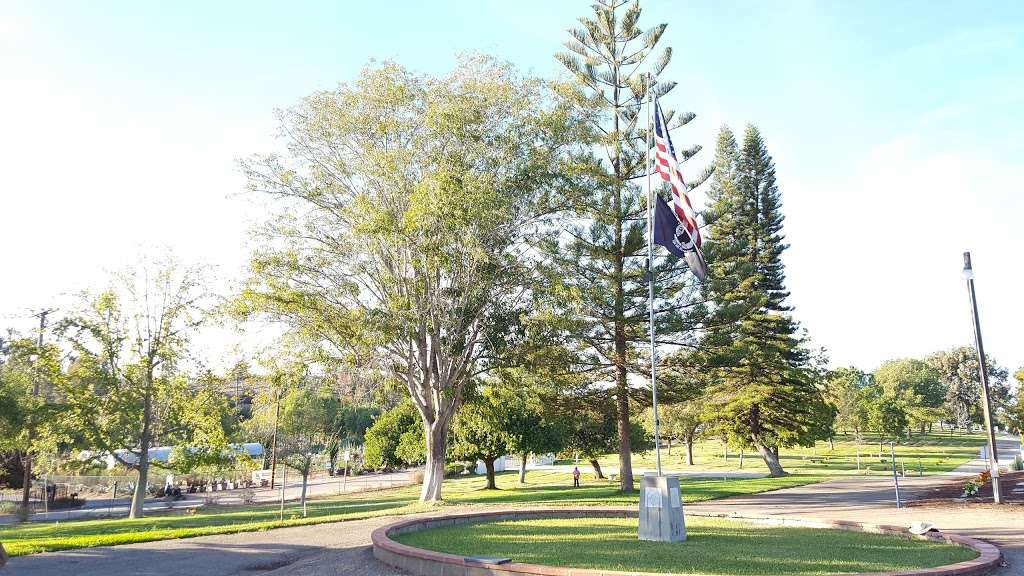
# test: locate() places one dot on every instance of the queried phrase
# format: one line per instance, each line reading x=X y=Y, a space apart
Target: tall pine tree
x=598 y=252
x=764 y=396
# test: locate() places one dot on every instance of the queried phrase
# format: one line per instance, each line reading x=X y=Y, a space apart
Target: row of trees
x=117 y=375
x=438 y=231
x=910 y=394
x=478 y=241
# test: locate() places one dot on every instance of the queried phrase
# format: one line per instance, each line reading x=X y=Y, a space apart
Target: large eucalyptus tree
x=404 y=201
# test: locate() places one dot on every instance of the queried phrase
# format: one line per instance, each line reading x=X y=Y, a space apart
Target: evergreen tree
x=598 y=252
x=764 y=395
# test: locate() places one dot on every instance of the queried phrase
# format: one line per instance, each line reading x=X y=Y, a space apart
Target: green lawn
x=714 y=546
x=933 y=453
x=543 y=488
x=36 y=537
x=936 y=452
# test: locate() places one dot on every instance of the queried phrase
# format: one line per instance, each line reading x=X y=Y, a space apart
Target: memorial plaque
x=652 y=498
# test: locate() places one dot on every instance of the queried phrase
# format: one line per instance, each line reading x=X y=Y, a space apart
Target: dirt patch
x=952 y=492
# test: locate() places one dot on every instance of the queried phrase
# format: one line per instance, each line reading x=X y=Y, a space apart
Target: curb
x=429 y=563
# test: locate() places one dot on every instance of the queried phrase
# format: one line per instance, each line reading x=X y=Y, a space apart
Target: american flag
x=665 y=164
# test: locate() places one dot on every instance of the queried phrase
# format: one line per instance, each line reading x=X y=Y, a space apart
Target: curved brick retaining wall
x=429 y=563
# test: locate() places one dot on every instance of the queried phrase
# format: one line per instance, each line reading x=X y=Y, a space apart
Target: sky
x=896 y=128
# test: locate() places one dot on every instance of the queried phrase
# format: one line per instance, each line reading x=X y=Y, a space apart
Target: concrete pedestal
x=661 y=509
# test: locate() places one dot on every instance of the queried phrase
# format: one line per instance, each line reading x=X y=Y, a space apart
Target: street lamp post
x=986 y=403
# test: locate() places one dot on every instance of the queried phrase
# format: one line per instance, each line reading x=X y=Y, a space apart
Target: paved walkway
x=321 y=486
x=343 y=548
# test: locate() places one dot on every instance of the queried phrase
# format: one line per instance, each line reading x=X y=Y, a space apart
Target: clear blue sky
x=896 y=129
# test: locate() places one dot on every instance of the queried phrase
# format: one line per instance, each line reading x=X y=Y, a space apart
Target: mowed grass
x=34 y=537
x=937 y=452
x=542 y=489
x=714 y=546
x=555 y=488
x=929 y=453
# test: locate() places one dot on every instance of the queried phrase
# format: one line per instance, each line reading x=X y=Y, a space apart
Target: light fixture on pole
x=986 y=403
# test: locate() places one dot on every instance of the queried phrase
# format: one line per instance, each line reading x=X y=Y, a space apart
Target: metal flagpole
x=986 y=402
x=650 y=283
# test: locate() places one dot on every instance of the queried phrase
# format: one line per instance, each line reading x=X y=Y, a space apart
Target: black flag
x=668 y=232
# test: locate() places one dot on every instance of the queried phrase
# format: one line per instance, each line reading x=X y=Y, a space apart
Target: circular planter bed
x=592 y=541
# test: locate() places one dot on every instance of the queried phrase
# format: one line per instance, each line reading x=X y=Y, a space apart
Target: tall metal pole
x=895 y=479
x=273 y=443
x=650 y=278
x=986 y=402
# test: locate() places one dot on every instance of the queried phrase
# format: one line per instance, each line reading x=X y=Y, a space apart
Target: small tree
x=886 y=414
x=480 y=431
x=683 y=421
x=125 y=389
x=394 y=439
x=29 y=413
x=593 y=432
x=844 y=390
x=305 y=427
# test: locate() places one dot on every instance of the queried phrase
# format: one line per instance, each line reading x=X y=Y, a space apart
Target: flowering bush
x=971 y=488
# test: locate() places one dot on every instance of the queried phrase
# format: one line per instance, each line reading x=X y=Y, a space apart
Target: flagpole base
x=661 y=509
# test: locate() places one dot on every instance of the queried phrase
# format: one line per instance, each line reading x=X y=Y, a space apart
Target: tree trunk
x=489 y=466
x=619 y=318
x=622 y=406
x=597 y=469
x=139 y=496
x=742 y=454
x=771 y=459
x=26 y=482
x=831 y=443
x=332 y=461
x=669 y=445
x=522 y=468
x=305 y=481
x=689 y=449
x=433 y=471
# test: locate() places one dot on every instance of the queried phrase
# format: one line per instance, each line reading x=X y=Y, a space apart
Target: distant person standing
x=576 y=477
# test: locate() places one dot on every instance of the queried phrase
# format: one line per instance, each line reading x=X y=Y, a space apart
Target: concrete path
x=343 y=548
x=872 y=500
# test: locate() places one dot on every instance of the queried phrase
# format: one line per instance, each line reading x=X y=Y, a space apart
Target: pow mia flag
x=672 y=234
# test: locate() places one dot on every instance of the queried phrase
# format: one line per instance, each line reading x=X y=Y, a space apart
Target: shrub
x=395 y=438
x=971 y=488
x=417 y=477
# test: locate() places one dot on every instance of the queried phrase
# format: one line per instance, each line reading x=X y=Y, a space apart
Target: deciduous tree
x=958 y=371
x=404 y=203
x=125 y=389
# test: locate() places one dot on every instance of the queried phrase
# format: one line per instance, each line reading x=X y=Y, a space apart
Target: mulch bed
x=951 y=492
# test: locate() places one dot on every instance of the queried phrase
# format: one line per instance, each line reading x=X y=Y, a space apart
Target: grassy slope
x=714 y=547
x=544 y=488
